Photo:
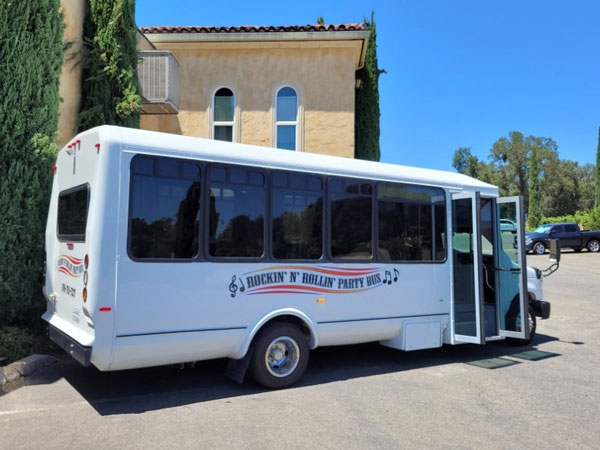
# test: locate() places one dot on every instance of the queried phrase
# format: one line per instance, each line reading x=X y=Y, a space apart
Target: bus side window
x=350 y=221
x=412 y=223
x=237 y=209
x=165 y=202
x=297 y=215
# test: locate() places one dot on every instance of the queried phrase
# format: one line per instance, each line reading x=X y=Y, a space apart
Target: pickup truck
x=568 y=234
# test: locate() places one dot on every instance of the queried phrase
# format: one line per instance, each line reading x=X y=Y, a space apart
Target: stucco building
x=291 y=87
x=288 y=87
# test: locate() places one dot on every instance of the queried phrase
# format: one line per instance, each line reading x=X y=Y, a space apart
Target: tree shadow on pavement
x=142 y=390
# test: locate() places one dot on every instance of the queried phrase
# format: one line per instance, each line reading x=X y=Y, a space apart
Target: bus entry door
x=511 y=269
x=467 y=311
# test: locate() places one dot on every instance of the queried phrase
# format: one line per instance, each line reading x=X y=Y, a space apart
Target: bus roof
x=144 y=141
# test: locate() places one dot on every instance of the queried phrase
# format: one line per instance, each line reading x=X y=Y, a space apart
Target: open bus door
x=467 y=311
x=511 y=271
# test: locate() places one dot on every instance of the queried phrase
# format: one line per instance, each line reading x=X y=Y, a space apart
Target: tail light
x=84 y=295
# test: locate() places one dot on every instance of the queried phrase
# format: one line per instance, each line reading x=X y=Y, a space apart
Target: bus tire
x=280 y=355
x=532 y=322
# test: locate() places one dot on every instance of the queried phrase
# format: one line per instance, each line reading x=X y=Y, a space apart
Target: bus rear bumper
x=79 y=352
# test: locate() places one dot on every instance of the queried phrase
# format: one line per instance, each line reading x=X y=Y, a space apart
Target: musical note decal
x=388 y=277
x=396 y=273
x=242 y=287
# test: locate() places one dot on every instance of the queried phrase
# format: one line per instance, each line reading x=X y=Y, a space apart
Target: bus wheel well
x=290 y=319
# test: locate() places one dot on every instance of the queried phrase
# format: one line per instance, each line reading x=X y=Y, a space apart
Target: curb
x=24 y=368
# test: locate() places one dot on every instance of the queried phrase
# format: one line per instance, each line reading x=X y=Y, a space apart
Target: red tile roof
x=254 y=29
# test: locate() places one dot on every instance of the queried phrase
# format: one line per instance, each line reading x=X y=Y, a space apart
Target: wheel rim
x=539 y=248
x=594 y=246
x=282 y=356
x=531 y=323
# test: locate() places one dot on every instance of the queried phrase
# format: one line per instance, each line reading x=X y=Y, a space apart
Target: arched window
x=286 y=118
x=223 y=115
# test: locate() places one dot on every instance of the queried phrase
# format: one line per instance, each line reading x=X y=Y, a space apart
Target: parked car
x=508 y=225
x=568 y=234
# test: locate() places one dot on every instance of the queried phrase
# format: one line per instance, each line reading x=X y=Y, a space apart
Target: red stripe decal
x=329 y=271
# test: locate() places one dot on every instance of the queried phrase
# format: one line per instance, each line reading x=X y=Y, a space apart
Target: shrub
x=109 y=83
x=15 y=343
x=366 y=116
x=588 y=220
x=31 y=51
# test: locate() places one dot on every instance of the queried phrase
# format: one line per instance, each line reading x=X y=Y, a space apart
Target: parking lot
x=357 y=397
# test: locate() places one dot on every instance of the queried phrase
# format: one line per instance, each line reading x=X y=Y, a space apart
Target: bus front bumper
x=79 y=352
x=541 y=308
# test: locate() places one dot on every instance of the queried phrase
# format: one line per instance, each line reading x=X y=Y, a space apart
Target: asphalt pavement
x=352 y=397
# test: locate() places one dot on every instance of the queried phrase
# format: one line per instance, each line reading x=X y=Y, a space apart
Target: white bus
x=163 y=249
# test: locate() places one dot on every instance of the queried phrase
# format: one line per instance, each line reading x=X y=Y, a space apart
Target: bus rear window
x=72 y=213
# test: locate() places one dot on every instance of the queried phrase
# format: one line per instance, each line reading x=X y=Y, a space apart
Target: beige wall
x=141 y=42
x=70 y=78
x=324 y=75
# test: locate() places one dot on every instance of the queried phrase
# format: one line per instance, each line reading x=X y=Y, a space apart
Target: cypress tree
x=110 y=93
x=534 y=211
x=31 y=55
x=597 y=196
x=366 y=115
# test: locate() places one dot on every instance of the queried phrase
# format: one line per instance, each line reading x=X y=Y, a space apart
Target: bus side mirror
x=554 y=250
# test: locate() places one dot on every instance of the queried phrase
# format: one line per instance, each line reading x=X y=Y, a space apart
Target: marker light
x=86 y=262
x=104 y=308
x=54 y=168
x=84 y=295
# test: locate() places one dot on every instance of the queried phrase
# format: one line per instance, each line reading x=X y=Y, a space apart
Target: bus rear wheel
x=280 y=355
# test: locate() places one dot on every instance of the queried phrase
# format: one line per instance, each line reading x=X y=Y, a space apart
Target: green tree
x=510 y=163
x=534 y=210
x=366 y=116
x=109 y=81
x=563 y=187
x=468 y=164
x=510 y=158
x=585 y=175
x=320 y=20
x=597 y=196
x=31 y=55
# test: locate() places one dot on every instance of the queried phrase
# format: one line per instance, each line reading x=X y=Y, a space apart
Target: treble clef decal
x=233 y=287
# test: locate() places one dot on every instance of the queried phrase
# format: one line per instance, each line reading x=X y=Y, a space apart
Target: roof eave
x=259 y=36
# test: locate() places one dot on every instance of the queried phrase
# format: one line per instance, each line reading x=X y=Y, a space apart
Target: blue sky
x=459 y=73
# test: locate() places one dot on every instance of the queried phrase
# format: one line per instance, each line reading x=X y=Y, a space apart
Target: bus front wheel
x=532 y=324
x=280 y=355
